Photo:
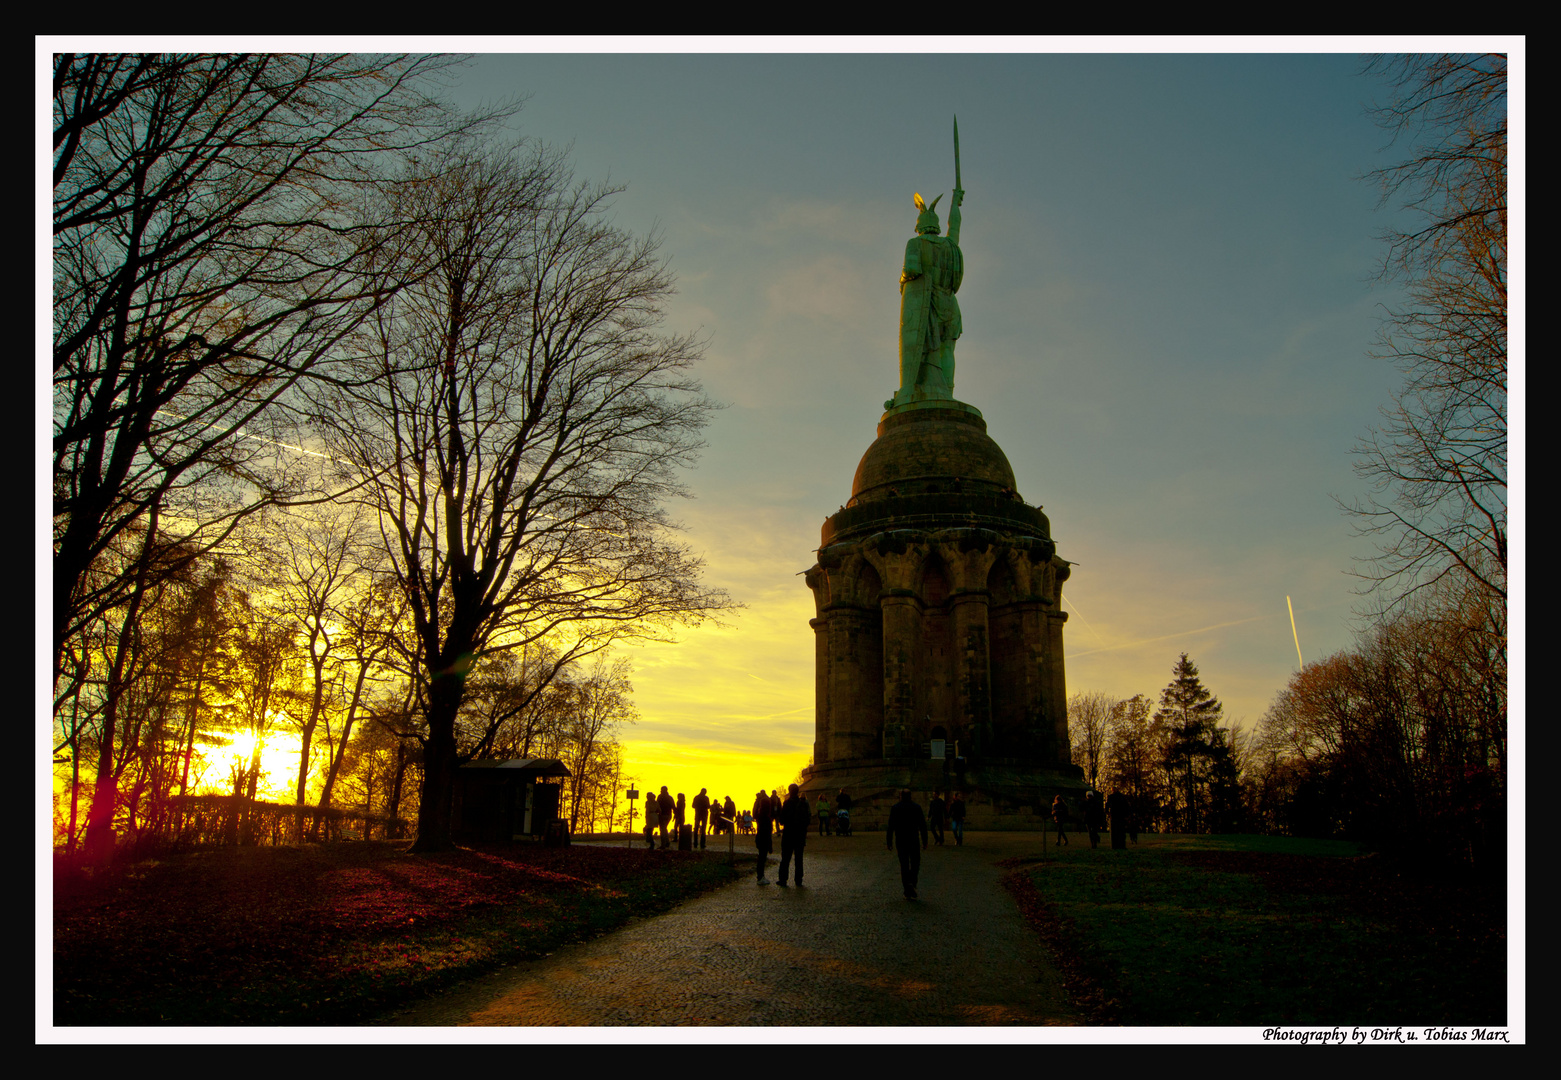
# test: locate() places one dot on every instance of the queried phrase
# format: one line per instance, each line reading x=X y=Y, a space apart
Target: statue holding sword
x=929 y=312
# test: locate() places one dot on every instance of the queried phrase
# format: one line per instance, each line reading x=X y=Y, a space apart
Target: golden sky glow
x=1168 y=306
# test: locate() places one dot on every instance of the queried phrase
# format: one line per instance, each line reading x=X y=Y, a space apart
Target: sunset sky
x=1168 y=304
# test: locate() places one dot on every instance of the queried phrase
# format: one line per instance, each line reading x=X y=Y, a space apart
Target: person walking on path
x=652 y=807
x=843 y=813
x=957 y=818
x=1060 y=816
x=1116 y=808
x=664 y=813
x=906 y=824
x=794 y=819
x=701 y=817
x=764 y=821
x=935 y=812
x=823 y=814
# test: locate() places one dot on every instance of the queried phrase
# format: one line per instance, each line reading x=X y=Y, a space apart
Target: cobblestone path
x=847 y=949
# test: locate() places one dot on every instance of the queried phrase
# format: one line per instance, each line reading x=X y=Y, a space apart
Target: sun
x=279 y=753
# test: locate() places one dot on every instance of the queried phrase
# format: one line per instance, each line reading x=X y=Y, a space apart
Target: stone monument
x=938 y=638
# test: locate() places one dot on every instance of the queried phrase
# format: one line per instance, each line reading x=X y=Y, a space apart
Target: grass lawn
x=337 y=933
x=1254 y=931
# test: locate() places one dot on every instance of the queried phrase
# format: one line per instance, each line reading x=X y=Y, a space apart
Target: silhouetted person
x=824 y=814
x=1060 y=816
x=935 y=813
x=957 y=817
x=795 y=814
x=843 y=813
x=764 y=821
x=1116 y=809
x=1094 y=816
x=906 y=825
x=701 y=817
x=729 y=808
x=652 y=808
x=664 y=813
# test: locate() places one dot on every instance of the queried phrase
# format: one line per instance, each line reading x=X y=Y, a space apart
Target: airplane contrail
x=1293 y=634
x=1168 y=637
x=1082 y=619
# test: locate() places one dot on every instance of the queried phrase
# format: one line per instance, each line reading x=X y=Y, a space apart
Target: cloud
x=829 y=288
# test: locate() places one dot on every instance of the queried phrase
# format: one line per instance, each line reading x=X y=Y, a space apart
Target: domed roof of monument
x=924 y=450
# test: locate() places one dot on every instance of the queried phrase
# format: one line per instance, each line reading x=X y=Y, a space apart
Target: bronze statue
x=929 y=312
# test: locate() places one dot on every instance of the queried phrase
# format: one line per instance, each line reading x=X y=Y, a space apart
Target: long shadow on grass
x=1239 y=931
x=336 y=933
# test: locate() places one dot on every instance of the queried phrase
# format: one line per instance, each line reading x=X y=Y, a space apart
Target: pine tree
x=1190 y=716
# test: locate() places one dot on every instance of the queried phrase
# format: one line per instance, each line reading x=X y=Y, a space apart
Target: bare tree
x=1132 y=755
x=316 y=572
x=370 y=622
x=515 y=704
x=1438 y=463
x=1400 y=740
x=600 y=703
x=209 y=251
x=518 y=430
x=1089 y=717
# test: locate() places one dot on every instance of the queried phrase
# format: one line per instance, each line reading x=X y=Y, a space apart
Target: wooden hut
x=506 y=800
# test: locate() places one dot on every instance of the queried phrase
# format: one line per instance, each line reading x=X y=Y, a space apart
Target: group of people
x=834 y=813
x=907 y=825
x=663 y=812
x=665 y=815
x=1098 y=811
x=909 y=830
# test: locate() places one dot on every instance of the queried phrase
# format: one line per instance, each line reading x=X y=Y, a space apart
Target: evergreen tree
x=1190 y=716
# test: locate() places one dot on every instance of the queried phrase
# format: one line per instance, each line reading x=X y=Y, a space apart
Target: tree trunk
x=99 y=841
x=439 y=761
x=306 y=738
x=341 y=749
x=393 y=800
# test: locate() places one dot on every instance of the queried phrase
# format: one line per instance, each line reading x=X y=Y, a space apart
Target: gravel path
x=847 y=949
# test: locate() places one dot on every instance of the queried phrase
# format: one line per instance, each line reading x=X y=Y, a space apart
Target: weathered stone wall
x=908 y=638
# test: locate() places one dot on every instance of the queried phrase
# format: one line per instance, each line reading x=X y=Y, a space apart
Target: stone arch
x=868 y=586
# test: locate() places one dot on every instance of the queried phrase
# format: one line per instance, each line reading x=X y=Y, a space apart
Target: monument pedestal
x=938 y=594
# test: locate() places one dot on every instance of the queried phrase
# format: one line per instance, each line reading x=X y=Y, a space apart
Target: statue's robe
x=929 y=313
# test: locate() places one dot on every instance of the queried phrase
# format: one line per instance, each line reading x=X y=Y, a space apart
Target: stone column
x=1057 y=683
x=972 y=669
x=901 y=633
x=1034 y=727
x=817 y=580
x=821 y=721
x=853 y=721
x=968 y=607
x=899 y=562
